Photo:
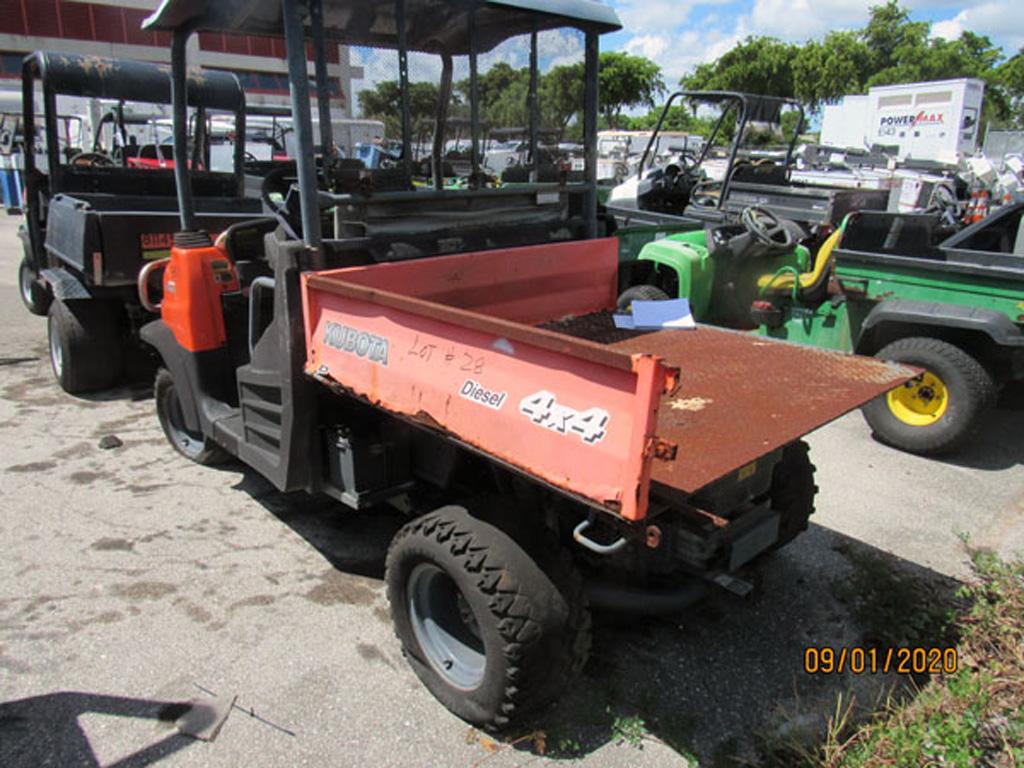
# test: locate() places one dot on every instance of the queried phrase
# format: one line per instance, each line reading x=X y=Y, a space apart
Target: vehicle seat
x=244 y=241
x=761 y=171
x=781 y=283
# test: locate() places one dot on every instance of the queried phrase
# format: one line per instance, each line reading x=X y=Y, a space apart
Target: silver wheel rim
x=445 y=627
x=56 y=351
x=26 y=284
x=187 y=442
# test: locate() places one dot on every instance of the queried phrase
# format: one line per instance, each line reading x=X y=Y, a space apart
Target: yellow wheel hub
x=921 y=401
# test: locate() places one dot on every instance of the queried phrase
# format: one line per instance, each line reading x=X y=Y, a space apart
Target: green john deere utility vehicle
x=902 y=287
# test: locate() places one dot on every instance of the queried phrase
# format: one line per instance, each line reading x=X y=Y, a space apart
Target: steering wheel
x=706 y=192
x=688 y=162
x=767 y=228
x=251 y=158
x=91 y=160
x=278 y=181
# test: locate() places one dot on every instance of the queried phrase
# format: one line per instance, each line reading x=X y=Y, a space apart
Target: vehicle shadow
x=724 y=684
x=46 y=730
x=354 y=542
x=998 y=443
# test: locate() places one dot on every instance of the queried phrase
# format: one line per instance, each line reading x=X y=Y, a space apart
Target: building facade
x=113 y=28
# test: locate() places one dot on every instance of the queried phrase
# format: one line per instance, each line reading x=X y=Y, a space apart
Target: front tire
x=490 y=633
x=86 y=344
x=194 y=446
x=34 y=295
x=639 y=293
x=936 y=411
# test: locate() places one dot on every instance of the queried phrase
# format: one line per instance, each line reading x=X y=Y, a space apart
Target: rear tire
x=937 y=411
x=86 y=344
x=192 y=445
x=639 y=293
x=34 y=295
x=793 y=491
x=488 y=631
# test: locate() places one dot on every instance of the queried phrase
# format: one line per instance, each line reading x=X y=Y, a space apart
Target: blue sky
x=679 y=34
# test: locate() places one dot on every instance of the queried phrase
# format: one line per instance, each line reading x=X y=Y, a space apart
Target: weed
x=895 y=608
x=974 y=717
x=629 y=729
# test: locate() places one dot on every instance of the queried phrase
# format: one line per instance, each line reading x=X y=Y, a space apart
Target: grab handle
x=143 y=284
x=593 y=546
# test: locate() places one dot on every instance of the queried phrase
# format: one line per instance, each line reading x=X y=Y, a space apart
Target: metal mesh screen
x=503 y=102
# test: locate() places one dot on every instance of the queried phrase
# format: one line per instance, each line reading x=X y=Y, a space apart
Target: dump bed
x=513 y=352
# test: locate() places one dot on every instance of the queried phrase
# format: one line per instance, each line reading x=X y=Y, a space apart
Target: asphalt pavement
x=132 y=582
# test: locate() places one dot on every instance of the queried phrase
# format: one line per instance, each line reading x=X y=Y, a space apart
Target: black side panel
x=127 y=232
x=277 y=401
x=203 y=380
x=73 y=234
x=994 y=324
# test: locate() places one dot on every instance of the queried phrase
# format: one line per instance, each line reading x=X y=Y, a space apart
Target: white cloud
x=653 y=16
x=651 y=46
x=800 y=20
x=677 y=53
x=950 y=29
x=558 y=47
x=997 y=19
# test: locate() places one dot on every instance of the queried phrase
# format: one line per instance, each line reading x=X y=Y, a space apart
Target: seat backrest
x=822 y=264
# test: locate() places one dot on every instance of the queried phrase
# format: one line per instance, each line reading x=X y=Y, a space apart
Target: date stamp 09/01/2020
x=870 y=661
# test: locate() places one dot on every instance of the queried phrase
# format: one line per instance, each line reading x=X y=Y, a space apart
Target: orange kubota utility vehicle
x=452 y=352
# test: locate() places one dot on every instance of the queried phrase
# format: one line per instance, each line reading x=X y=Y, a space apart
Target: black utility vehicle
x=92 y=222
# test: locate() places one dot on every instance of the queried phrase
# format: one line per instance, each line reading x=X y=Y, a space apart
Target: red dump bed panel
x=574 y=413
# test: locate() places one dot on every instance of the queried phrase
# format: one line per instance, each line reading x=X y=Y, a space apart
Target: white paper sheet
x=624 y=321
x=674 y=313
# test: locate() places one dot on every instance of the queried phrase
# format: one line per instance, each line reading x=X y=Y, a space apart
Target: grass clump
x=973 y=717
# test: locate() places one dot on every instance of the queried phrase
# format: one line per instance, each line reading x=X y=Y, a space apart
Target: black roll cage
x=62 y=74
x=751 y=108
x=292 y=18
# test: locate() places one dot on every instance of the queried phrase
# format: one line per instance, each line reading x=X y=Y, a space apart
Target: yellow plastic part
x=921 y=401
x=784 y=281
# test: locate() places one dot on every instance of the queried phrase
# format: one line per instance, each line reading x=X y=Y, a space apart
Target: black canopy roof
x=127 y=80
x=435 y=26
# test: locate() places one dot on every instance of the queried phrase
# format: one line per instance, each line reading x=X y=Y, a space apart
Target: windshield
x=503 y=109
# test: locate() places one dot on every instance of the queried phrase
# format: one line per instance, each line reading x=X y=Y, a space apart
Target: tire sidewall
x=34 y=295
x=524 y=617
x=56 y=334
x=955 y=423
x=165 y=393
x=639 y=293
x=479 y=704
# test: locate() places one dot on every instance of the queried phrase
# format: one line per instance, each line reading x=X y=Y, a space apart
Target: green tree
x=891 y=48
x=1010 y=76
x=826 y=71
x=891 y=35
x=561 y=96
x=761 y=65
x=384 y=102
x=627 y=81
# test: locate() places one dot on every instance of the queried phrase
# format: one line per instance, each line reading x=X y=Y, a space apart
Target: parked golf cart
x=132 y=138
x=451 y=352
x=725 y=176
x=91 y=225
x=903 y=287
